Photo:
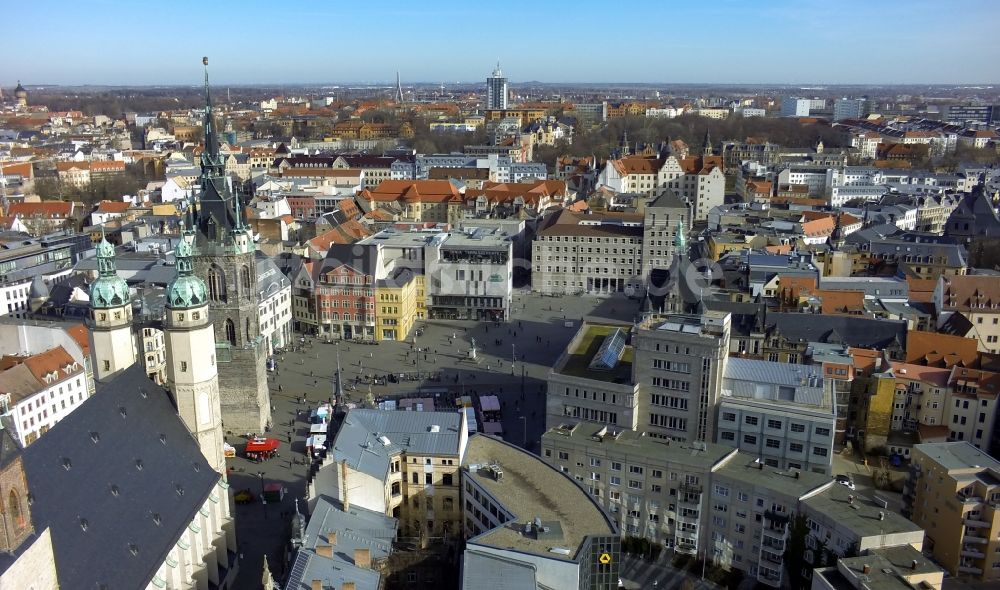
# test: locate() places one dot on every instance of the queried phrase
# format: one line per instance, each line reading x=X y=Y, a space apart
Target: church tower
x=113 y=345
x=225 y=257
x=191 y=357
x=15 y=518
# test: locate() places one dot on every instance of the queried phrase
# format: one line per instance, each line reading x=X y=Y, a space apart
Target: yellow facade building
x=395 y=305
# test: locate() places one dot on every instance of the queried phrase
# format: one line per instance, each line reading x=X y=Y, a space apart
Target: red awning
x=259 y=445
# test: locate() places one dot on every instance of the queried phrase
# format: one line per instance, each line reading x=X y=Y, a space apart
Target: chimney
x=881 y=515
x=343 y=482
x=347 y=586
x=324 y=550
x=913 y=564
x=316 y=585
x=331 y=538
x=363 y=558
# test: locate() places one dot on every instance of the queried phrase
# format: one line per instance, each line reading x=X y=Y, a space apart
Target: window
x=657 y=474
x=595 y=462
x=446 y=479
x=749 y=439
x=795 y=447
x=635 y=485
x=822 y=431
x=636 y=469
x=184 y=366
x=563 y=456
x=428 y=478
x=729 y=416
x=773 y=443
x=751 y=420
x=820 y=451
x=721 y=491
x=776 y=424
x=616 y=481
x=616 y=466
x=798 y=427
x=728 y=436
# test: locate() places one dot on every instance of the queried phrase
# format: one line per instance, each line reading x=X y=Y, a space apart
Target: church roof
x=137 y=479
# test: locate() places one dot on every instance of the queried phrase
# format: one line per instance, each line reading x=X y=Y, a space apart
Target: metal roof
x=367 y=439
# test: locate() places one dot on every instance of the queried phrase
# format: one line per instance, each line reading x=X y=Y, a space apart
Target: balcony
x=772 y=543
x=966 y=552
x=974 y=539
x=771 y=557
x=965 y=569
x=690 y=488
x=971 y=522
x=689 y=500
x=769 y=578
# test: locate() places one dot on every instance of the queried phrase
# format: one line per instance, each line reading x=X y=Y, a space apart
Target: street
x=537 y=332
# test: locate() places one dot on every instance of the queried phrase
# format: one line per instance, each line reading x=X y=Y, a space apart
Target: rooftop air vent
x=133 y=549
x=115 y=490
x=122 y=411
x=84 y=524
x=67 y=464
x=156 y=519
x=95 y=436
x=163 y=439
x=138 y=464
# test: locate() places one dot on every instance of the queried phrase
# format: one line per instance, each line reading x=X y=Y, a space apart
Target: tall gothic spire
x=216 y=216
x=706 y=148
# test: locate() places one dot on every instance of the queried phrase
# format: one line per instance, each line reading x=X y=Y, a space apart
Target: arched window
x=249 y=335
x=216 y=284
x=246 y=283
x=14 y=507
x=230 y=332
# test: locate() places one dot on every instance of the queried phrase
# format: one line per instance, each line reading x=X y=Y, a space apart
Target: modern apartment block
x=708 y=500
x=679 y=362
x=401 y=464
x=892 y=568
x=783 y=414
x=651 y=487
x=529 y=526
x=953 y=492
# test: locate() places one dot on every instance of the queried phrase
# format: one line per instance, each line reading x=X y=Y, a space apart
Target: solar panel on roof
x=610 y=352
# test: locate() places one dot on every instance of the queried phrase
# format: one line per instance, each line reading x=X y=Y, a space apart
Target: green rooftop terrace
x=585 y=345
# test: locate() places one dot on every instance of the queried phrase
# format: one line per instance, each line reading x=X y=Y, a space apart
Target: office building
x=496 y=91
x=848 y=108
x=529 y=526
x=470 y=275
x=795 y=107
x=679 y=362
x=592 y=380
x=597 y=253
x=953 y=492
x=781 y=413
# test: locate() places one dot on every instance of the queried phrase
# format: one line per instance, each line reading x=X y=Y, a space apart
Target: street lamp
x=260 y=475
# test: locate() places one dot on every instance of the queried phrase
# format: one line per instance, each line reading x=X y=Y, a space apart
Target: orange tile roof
x=936 y=375
x=940 y=350
x=921 y=290
x=637 y=165
x=67 y=166
x=23 y=169
x=414 y=191
x=46 y=209
x=113 y=206
x=700 y=164
x=107 y=166
x=55 y=360
x=841 y=302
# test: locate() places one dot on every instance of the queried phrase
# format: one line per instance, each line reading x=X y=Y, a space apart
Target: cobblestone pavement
x=537 y=332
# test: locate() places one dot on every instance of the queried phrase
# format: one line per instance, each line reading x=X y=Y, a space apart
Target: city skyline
x=782 y=42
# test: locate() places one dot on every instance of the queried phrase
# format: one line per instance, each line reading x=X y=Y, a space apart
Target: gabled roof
x=112 y=207
x=415 y=191
x=972 y=293
x=940 y=350
x=839 y=329
x=46 y=209
x=126 y=456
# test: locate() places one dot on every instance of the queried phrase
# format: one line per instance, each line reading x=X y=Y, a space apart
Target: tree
x=795 y=550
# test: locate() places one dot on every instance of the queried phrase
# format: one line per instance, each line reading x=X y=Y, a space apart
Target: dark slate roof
x=134 y=424
x=668 y=198
x=9 y=449
x=361 y=257
x=838 y=329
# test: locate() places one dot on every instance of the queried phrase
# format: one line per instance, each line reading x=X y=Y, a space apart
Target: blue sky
x=666 y=41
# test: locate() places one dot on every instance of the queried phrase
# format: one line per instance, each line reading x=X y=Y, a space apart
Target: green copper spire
x=680 y=240
x=109 y=290
x=186 y=290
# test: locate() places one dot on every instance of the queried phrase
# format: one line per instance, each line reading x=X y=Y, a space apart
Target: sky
x=145 y=42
